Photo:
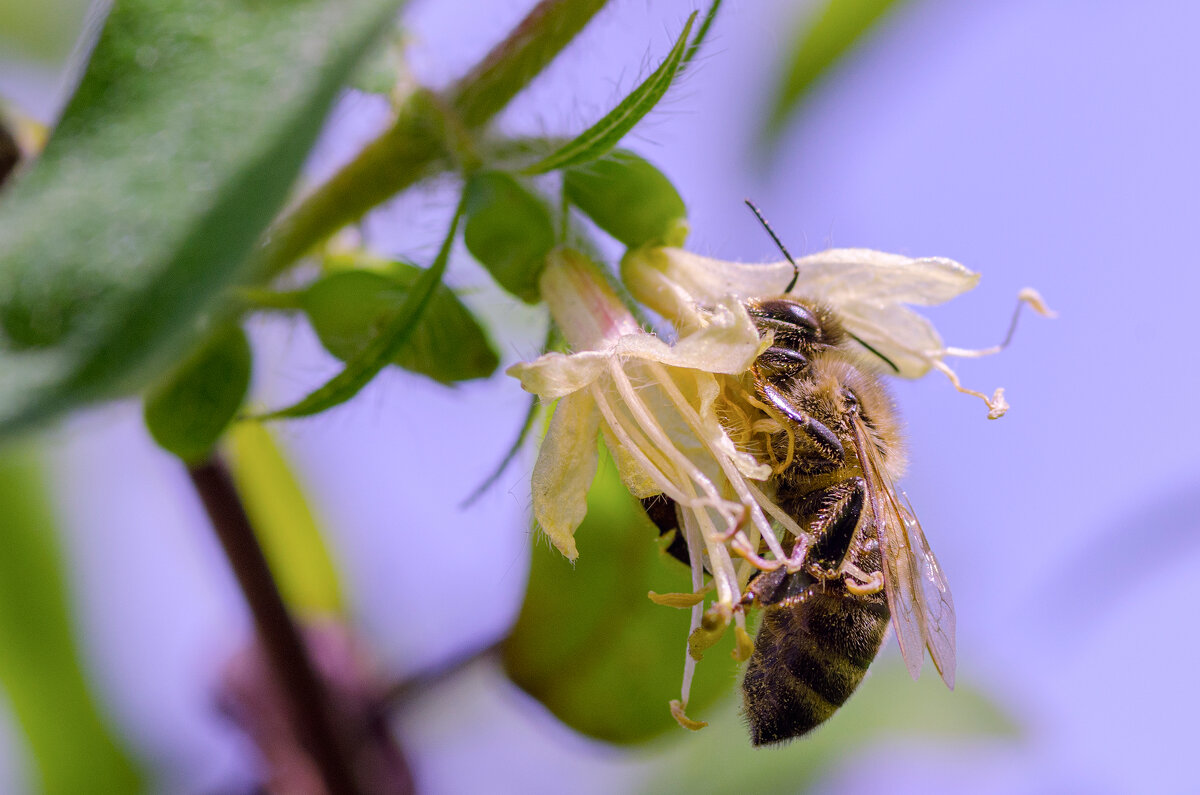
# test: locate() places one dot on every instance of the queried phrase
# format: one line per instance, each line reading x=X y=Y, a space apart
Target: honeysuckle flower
x=682 y=419
x=870 y=290
x=656 y=407
x=651 y=401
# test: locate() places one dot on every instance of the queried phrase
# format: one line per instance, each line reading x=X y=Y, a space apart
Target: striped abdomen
x=812 y=650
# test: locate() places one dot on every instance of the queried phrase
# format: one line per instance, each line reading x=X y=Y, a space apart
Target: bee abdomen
x=808 y=658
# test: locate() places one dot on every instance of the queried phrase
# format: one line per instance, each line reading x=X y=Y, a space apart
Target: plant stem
x=302 y=690
x=416 y=144
x=422 y=681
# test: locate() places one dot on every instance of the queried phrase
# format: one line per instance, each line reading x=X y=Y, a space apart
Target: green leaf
x=188 y=412
x=819 y=41
x=605 y=134
x=283 y=522
x=887 y=704
x=628 y=198
x=589 y=644
x=509 y=231
x=176 y=151
x=394 y=333
x=44 y=30
x=693 y=49
x=348 y=308
x=73 y=746
x=383 y=66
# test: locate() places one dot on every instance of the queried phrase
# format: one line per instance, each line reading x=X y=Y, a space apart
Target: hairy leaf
x=820 y=40
x=589 y=644
x=601 y=137
x=509 y=231
x=394 y=333
x=177 y=149
x=348 y=307
x=73 y=746
x=628 y=198
x=187 y=413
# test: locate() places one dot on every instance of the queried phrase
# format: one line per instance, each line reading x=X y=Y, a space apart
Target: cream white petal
x=565 y=468
x=745 y=463
x=908 y=339
x=554 y=375
x=727 y=343
x=834 y=275
x=877 y=277
x=640 y=484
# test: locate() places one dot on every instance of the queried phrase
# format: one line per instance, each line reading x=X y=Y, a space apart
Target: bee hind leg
x=858 y=582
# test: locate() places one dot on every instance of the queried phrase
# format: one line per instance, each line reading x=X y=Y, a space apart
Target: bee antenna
x=872 y=349
x=778 y=242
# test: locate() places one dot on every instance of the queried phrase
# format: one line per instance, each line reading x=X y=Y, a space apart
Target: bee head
x=797 y=324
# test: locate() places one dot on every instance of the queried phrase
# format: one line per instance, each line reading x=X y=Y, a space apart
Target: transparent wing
x=936 y=603
x=917 y=592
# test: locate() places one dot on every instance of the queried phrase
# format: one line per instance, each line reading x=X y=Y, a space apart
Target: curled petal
x=565 y=469
x=906 y=338
x=555 y=375
x=727 y=343
x=867 y=288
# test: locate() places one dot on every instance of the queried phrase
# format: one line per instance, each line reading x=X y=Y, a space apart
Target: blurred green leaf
x=394 y=333
x=176 y=151
x=509 y=231
x=819 y=41
x=187 y=413
x=590 y=645
x=347 y=309
x=282 y=521
x=45 y=30
x=383 y=65
x=628 y=198
x=887 y=704
x=74 y=749
x=599 y=139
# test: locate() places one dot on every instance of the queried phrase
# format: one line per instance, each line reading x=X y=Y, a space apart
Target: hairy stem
x=304 y=694
x=417 y=144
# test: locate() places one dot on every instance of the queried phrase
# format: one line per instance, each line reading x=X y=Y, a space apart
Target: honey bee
x=868 y=561
x=822 y=624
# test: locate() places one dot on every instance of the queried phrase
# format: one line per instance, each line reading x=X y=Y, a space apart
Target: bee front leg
x=823 y=440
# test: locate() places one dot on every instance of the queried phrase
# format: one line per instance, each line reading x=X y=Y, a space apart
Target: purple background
x=1048 y=144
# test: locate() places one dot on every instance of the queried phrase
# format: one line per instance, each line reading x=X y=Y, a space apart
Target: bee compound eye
x=792 y=313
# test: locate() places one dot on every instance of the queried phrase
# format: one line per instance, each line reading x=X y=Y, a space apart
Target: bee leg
x=859 y=583
x=823 y=439
x=763 y=588
x=741 y=547
x=779 y=362
x=775 y=587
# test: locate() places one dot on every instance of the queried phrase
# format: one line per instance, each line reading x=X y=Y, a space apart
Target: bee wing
x=917 y=593
x=936 y=603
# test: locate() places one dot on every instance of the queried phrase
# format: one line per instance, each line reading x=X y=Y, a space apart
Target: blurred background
x=1044 y=144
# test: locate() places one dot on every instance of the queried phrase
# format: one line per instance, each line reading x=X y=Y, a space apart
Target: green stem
x=263 y=298
x=416 y=144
